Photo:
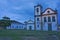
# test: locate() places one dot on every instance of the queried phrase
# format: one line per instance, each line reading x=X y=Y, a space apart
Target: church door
x=30 y=27
x=49 y=27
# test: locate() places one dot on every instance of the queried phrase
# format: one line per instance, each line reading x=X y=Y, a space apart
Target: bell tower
x=37 y=18
x=38 y=9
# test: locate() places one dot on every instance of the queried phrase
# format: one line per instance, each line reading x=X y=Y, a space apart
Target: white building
x=47 y=20
x=29 y=25
x=15 y=25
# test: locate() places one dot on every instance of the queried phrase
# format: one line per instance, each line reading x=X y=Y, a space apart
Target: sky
x=23 y=10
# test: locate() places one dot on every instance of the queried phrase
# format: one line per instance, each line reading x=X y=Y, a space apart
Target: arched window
x=37 y=9
x=53 y=18
x=37 y=19
x=38 y=26
x=45 y=19
x=49 y=19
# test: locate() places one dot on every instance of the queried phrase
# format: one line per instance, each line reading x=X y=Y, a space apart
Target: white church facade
x=47 y=20
x=29 y=25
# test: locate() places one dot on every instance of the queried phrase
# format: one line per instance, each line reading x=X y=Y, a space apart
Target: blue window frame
x=37 y=19
x=49 y=19
x=37 y=9
x=45 y=19
x=53 y=18
x=38 y=26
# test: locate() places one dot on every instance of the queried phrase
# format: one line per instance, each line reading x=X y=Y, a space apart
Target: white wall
x=28 y=25
x=45 y=27
x=16 y=26
x=38 y=23
x=54 y=24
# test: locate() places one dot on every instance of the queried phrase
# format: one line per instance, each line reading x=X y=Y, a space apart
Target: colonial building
x=29 y=25
x=15 y=25
x=45 y=20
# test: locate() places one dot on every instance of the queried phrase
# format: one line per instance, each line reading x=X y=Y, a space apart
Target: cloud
x=3 y=2
x=51 y=3
x=22 y=10
x=13 y=16
x=17 y=8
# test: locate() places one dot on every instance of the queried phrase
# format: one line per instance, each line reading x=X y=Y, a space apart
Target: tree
x=5 y=23
x=6 y=18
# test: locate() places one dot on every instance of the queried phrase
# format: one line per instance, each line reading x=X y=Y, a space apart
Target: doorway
x=49 y=27
x=30 y=27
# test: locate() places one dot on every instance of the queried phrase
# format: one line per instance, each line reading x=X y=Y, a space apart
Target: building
x=15 y=25
x=29 y=25
x=45 y=20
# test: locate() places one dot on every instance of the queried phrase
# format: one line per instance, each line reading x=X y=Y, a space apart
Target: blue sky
x=22 y=10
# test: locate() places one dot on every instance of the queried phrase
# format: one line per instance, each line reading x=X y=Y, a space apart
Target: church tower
x=37 y=17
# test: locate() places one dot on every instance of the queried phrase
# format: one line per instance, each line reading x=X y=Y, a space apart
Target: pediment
x=49 y=11
x=30 y=21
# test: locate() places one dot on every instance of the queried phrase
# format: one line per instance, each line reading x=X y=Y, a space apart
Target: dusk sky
x=23 y=10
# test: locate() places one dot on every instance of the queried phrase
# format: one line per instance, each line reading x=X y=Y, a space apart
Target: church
x=45 y=20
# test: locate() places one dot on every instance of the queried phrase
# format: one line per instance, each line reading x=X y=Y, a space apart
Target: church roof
x=13 y=21
x=29 y=21
x=49 y=11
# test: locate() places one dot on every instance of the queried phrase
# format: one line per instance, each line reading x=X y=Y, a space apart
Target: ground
x=28 y=35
